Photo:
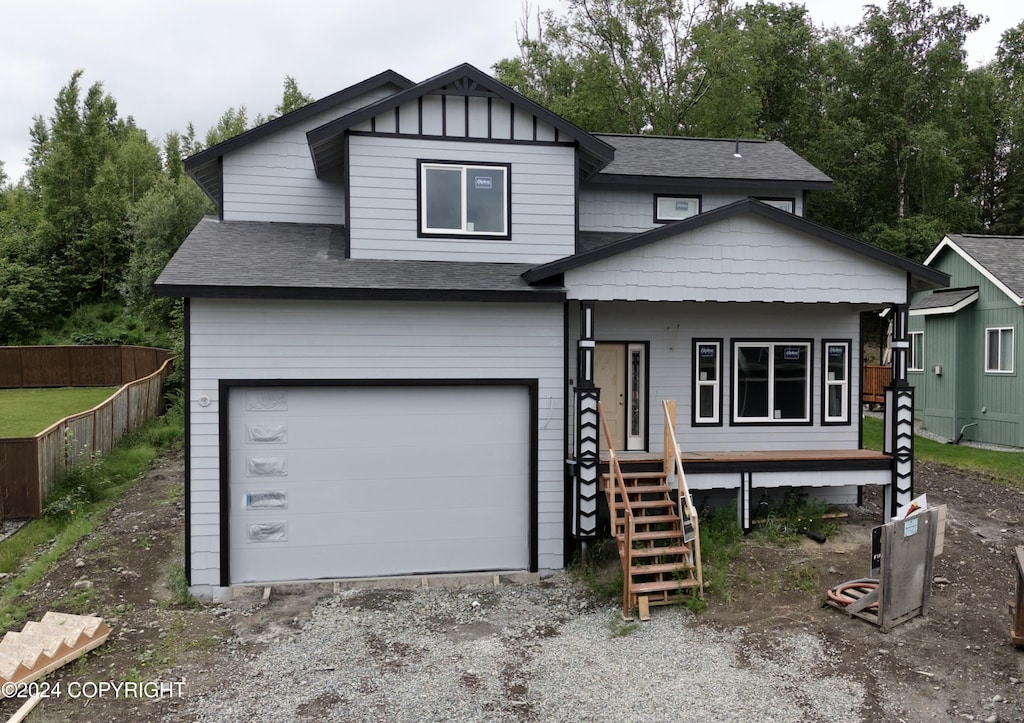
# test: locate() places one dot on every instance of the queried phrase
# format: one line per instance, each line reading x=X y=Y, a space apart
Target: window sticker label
x=483 y=182
x=792 y=353
x=682 y=205
x=266 y=500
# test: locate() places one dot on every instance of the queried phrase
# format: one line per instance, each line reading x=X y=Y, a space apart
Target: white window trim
x=715 y=384
x=464 y=168
x=913 y=363
x=736 y=418
x=999 y=331
x=843 y=384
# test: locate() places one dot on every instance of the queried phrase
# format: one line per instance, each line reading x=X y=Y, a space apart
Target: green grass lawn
x=27 y=412
x=1006 y=467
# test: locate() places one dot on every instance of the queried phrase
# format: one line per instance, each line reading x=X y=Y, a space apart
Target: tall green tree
x=615 y=65
x=292 y=98
x=764 y=64
x=1008 y=69
x=894 y=131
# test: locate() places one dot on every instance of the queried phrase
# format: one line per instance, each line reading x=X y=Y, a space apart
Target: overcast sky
x=171 y=62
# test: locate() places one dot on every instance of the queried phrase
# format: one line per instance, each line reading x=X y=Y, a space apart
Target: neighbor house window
x=707 y=382
x=464 y=199
x=783 y=204
x=836 y=380
x=675 y=208
x=771 y=382
x=999 y=350
x=915 y=363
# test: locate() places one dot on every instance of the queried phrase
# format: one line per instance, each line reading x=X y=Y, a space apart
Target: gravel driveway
x=514 y=652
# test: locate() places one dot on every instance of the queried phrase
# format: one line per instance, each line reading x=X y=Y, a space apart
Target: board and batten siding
x=384 y=204
x=669 y=329
x=957 y=397
x=323 y=340
x=742 y=259
x=272 y=179
x=621 y=210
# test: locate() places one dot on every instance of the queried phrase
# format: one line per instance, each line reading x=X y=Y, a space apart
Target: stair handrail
x=625 y=543
x=674 y=462
x=616 y=472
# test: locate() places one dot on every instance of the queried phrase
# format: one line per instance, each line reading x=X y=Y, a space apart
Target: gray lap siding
x=321 y=340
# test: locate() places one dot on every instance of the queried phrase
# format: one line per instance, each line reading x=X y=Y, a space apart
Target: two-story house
x=965 y=342
x=400 y=322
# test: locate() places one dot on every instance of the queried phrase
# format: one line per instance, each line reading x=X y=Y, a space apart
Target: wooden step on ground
x=646 y=505
x=658 y=568
x=42 y=647
x=659 y=551
x=646 y=588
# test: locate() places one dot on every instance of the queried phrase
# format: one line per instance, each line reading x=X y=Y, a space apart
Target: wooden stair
x=658 y=566
x=42 y=647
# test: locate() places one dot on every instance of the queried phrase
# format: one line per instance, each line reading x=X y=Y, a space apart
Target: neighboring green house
x=966 y=341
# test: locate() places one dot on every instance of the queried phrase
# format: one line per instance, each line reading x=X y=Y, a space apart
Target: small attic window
x=783 y=204
x=462 y=199
x=675 y=208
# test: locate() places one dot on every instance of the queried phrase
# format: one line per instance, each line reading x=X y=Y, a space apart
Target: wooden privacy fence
x=875 y=380
x=77 y=366
x=30 y=467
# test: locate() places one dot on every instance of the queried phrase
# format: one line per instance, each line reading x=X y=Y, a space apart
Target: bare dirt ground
x=955 y=663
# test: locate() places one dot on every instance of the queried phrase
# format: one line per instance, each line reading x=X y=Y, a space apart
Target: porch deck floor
x=774 y=455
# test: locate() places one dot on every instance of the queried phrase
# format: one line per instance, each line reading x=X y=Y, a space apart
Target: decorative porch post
x=588 y=457
x=899 y=416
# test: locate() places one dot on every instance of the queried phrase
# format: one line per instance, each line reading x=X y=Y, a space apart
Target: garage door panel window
x=771 y=382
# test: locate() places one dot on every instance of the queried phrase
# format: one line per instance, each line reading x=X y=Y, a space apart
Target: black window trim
x=734 y=357
x=688 y=197
x=421 y=233
x=768 y=199
x=694 y=420
x=848 y=420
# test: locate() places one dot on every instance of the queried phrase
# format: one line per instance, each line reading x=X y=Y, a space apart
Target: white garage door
x=332 y=482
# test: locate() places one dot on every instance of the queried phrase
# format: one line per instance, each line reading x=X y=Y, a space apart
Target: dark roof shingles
x=258 y=255
x=1002 y=256
x=679 y=157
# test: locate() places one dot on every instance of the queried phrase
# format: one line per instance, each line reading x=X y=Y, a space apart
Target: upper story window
x=771 y=382
x=999 y=350
x=463 y=199
x=675 y=208
x=783 y=204
x=915 y=360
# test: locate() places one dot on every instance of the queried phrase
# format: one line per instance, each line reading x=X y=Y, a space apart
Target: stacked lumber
x=42 y=647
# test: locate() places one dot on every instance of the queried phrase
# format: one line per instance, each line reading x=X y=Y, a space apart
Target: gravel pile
x=525 y=652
